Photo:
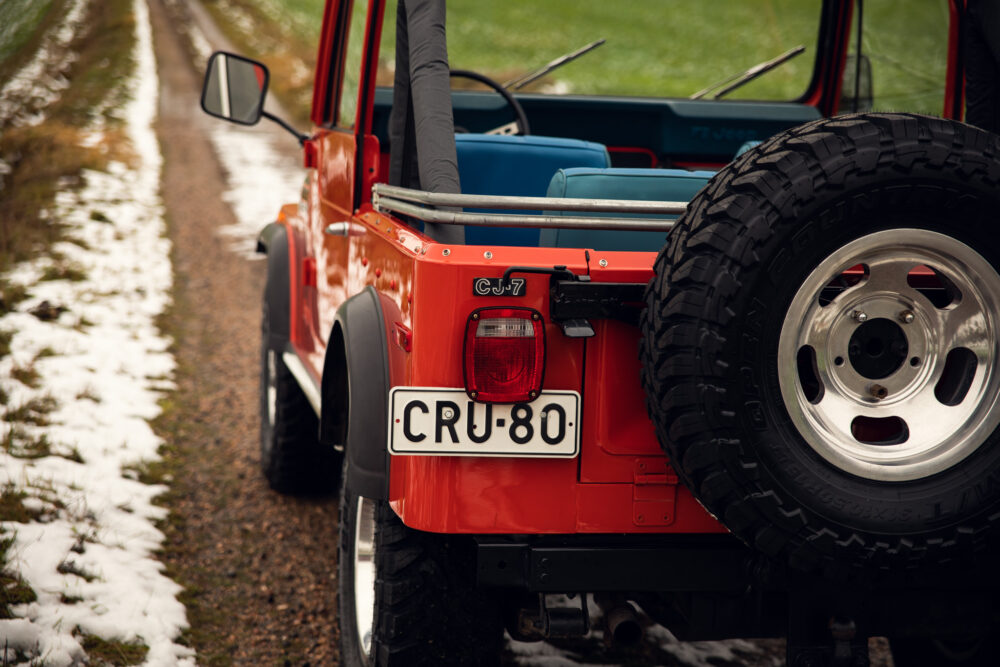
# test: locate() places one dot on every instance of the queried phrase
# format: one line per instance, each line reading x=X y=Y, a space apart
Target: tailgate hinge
x=654 y=492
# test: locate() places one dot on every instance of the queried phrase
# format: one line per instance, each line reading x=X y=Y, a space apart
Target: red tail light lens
x=504 y=355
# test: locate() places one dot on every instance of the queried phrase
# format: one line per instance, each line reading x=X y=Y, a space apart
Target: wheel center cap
x=878 y=348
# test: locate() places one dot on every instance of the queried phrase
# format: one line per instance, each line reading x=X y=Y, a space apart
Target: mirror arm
x=302 y=138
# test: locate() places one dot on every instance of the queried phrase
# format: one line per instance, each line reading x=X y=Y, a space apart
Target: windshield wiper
x=743 y=78
x=522 y=81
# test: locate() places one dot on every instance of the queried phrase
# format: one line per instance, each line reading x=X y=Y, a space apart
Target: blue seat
x=747 y=146
x=632 y=184
x=517 y=166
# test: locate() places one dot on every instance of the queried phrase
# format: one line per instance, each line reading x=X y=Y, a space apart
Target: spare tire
x=820 y=344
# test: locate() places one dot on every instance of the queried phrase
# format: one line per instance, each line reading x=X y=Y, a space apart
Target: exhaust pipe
x=622 y=625
x=621 y=622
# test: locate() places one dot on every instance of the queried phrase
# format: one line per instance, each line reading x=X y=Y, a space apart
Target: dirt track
x=259 y=568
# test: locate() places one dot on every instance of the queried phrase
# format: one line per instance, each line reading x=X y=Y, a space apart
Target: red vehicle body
x=622 y=482
x=367 y=303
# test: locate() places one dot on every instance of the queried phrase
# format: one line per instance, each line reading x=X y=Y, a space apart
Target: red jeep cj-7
x=781 y=420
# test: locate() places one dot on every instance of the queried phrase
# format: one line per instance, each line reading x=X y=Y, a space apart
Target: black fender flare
x=267 y=235
x=273 y=240
x=355 y=388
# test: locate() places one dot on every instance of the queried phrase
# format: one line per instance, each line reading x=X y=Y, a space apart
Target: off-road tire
x=722 y=288
x=427 y=609
x=291 y=457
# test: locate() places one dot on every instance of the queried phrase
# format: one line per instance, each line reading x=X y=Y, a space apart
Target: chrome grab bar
x=415 y=203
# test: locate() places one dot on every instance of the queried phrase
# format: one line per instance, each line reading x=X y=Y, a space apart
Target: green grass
x=6 y=336
x=64 y=271
x=35 y=411
x=12 y=508
x=112 y=652
x=299 y=16
x=908 y=48
x=13 y=589
x=663 y=49
x=19 y=22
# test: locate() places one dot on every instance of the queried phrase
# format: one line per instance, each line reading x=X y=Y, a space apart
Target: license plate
x=445 y=422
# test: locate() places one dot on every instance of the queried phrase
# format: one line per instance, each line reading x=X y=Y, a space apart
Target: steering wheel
x=520 y=125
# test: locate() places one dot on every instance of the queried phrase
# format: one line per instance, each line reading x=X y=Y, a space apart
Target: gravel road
x=259 y=567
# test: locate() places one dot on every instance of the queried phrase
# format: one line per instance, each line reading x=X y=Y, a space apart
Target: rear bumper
x=717 y=563
x=724 y=590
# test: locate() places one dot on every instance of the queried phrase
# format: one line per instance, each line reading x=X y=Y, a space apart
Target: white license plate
x=432 y=421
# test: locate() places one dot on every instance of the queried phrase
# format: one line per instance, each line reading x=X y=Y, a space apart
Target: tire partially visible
x=826 y=438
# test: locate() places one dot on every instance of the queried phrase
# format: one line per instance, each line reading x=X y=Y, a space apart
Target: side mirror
x=856 y=91
x=235 y=88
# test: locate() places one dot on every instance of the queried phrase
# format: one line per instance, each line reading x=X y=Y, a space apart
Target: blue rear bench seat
x=617 y=183
x=517 y=166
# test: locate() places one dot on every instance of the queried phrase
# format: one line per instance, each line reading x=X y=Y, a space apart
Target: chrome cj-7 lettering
x=498 y=287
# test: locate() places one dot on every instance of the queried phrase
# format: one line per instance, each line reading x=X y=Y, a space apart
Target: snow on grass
x=702 y=654
x=38 y=84
x=86 y=369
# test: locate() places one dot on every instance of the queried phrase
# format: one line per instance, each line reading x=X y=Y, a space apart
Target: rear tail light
x=504 y=355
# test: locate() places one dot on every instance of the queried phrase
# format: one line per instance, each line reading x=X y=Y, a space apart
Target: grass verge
x=49 y=157
x=38 y=162
x=23 y=23
x=13 y=590
x=117 y=653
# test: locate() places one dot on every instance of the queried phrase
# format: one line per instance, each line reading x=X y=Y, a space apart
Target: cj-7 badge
x=498 y=287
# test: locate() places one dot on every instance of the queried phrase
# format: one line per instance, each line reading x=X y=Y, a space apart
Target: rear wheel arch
x=335 y=391
x=355 y=389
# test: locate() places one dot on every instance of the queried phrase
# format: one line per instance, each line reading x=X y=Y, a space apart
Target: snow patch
x=657 y=640
x=101 y=366
x=259 y=182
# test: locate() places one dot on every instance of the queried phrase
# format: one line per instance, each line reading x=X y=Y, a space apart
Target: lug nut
x=860 y=316
x=877 y=391
x=906 y=317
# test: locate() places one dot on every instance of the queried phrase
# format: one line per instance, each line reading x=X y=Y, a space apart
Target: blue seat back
x=632 y=184
x=747 y=146
x=517 y=166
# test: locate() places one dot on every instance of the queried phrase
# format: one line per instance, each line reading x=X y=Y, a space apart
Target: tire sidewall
x=351 y=652
x=267 y=430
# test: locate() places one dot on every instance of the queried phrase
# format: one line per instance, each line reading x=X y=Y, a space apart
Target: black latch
x=559 y=271
x=574 y=300
x=571 y=300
